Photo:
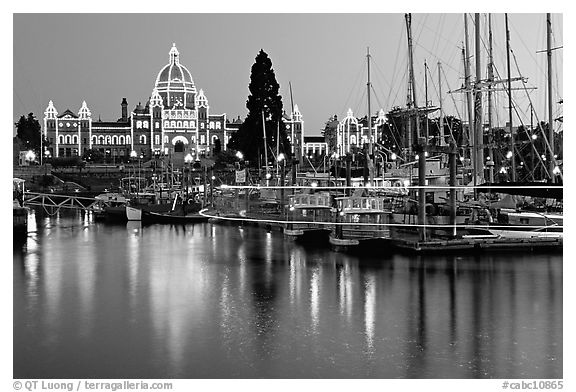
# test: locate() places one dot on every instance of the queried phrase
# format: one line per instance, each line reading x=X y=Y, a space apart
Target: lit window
x=173 y=124
x=185 y=124
x=166 y=124
x=145 y=124
x=218 y=125
x=157 y=139
x=142 y=139
x=202 y=125
x=202 y=139
x=211 y=124
x=138 y=124
x=157 y=124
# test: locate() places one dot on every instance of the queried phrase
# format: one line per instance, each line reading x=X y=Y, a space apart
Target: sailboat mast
x=479 y=129
x=412 y=102
x=441 y=119
x=490 y=81
x=551 y=160
x=265 y=144
x=426 y=99
x=467 y=140
x=513 y=158
x=370 y=145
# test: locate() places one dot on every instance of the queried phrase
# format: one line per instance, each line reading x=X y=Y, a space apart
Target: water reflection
x=117 y=301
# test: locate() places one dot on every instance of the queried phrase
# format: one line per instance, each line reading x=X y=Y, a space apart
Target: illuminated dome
x=175 y=80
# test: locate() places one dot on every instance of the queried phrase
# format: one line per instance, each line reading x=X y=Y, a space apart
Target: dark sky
x=102 y=58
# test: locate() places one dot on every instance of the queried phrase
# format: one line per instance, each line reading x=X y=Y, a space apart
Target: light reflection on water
x=209 y=301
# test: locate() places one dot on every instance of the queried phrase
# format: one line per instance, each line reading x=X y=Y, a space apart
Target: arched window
x=128 y=139
x=166 y=124
x=122 y=139
x=218 y=125
x=142 y=139
x=352 y=139
x=75 y=139
x=185 y=124
x=214 y=138
x=60 y=139
x=211 y=124
x=138 y=124
x=94 y=140
x=67 y=139
x=173 y=124
x=145 y=124
x=157 y=124
x=157 y=139
x=179 y=124
x=179 y=146
x=114 y=139
x=108 y=139
x=192 y=124
x=166 y=139
x=100 y=139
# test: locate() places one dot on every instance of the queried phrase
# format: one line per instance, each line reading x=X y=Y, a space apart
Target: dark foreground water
x=208 y=301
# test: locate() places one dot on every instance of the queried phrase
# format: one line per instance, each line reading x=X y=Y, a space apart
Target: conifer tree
x=263 y=98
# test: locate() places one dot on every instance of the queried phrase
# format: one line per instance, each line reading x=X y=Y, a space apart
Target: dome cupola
x=174 y=82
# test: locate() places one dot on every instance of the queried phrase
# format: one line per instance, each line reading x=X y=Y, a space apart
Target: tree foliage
x=29 y=132
x=330 y=133
x=263 y=97
x=93 y=155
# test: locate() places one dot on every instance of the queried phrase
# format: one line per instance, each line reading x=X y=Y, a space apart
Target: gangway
x=63 y=201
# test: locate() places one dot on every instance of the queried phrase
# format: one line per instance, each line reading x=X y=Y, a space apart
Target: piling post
x=421 y=188
x=452 y=182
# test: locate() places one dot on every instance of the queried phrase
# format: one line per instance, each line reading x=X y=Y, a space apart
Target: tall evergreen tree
x=29 y=132
x=263 y=97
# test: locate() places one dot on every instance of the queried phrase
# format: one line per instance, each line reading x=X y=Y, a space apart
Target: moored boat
x=309 y=217
x=361 y=222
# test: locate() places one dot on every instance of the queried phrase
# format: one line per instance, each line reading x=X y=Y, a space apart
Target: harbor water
x=95 y=300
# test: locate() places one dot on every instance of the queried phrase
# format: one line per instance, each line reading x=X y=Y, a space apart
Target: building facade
x=354 y=132
x=176 y=120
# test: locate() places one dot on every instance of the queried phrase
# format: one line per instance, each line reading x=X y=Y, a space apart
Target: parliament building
x=175 y=121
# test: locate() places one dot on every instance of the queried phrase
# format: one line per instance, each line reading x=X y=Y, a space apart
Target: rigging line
x=375 y=64
x=530 y=53
x=539 y=125
x=404 y=76
x=395 y=66
x=437 y=58
x=376 y=96
x=353 y=87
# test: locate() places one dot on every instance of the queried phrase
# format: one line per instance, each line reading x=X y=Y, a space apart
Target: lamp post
x=282 y=161
x=188 y=161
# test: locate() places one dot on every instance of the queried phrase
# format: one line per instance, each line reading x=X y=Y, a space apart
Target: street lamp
x=188 y=161
x=30 y=156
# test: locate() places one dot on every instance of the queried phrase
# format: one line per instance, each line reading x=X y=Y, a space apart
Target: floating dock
x=477 y=244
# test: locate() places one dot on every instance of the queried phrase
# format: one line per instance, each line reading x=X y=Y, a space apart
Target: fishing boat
x=172 y=217
x=308 y=217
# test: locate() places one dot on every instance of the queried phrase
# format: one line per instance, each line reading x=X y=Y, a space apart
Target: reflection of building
x=175 y=119
x=353 y=132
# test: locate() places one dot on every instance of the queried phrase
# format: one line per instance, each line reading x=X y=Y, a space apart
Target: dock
x=477 y=244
